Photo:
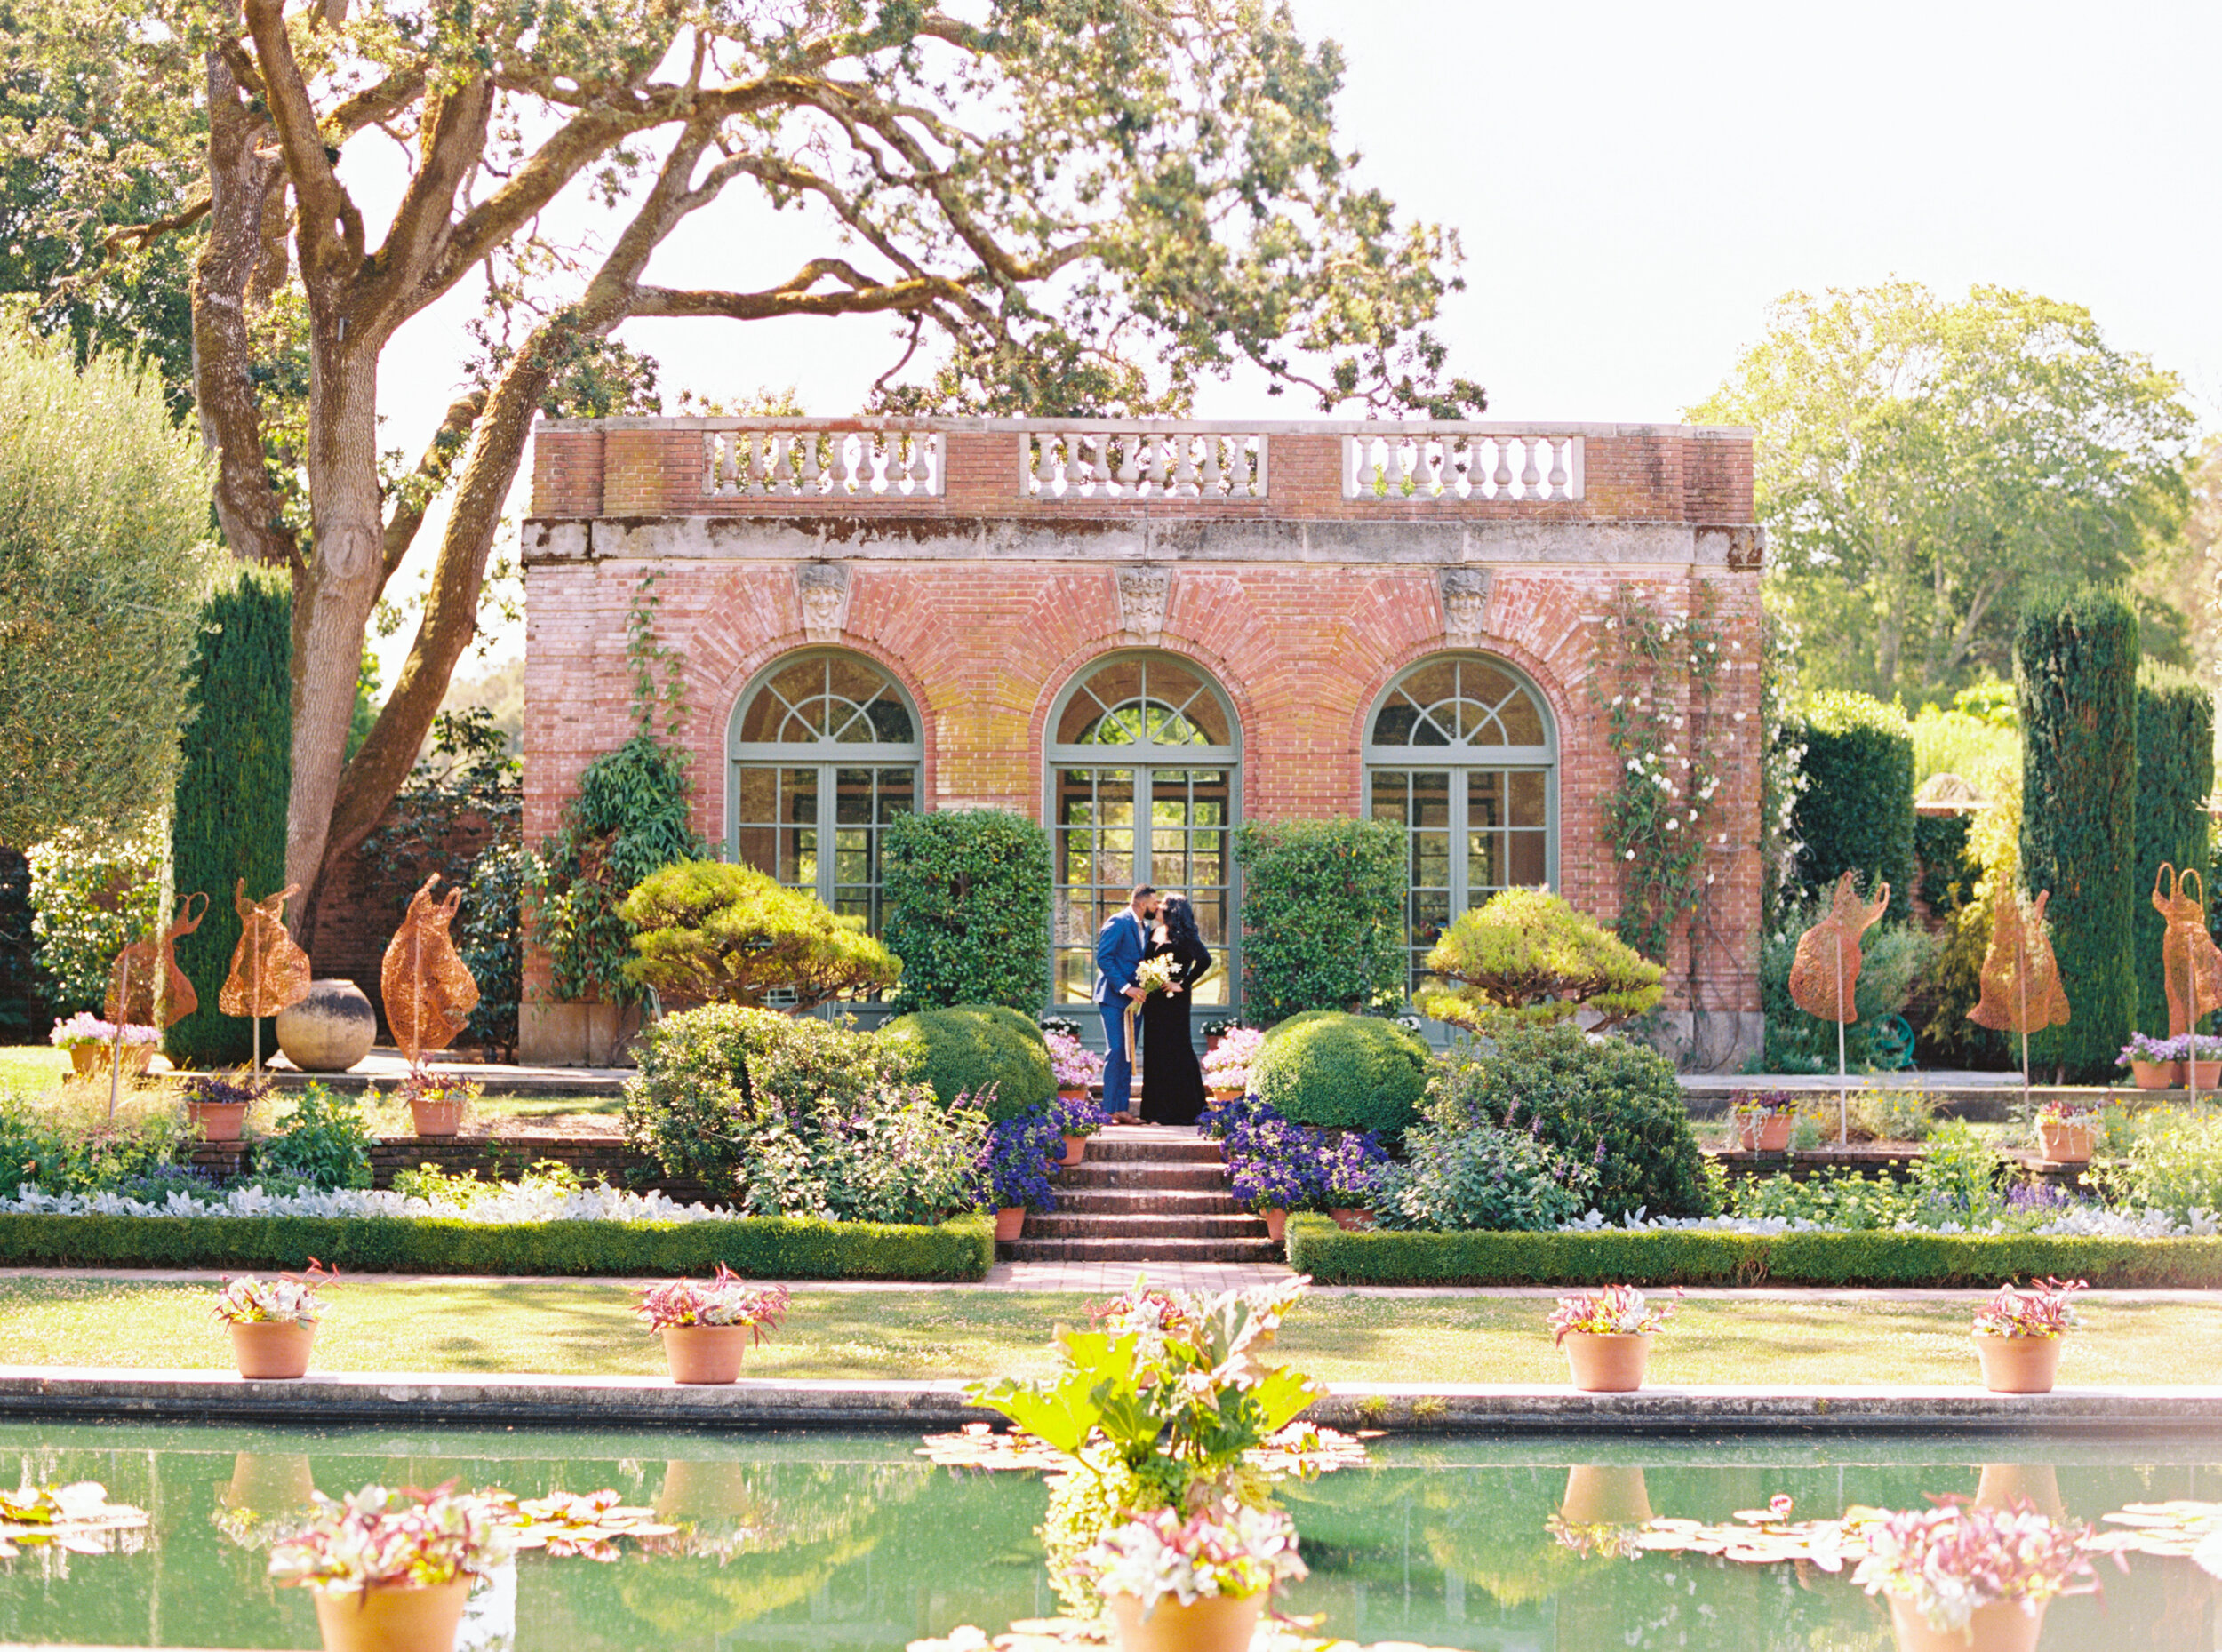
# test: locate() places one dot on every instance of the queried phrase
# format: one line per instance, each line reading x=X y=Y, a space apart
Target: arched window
x=1144 y=760
x=1461 y=755
x=823 y=751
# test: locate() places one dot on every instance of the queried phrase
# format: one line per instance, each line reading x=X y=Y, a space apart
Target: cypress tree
x=235 y=774
x=2175 y=775
x=2075 y=664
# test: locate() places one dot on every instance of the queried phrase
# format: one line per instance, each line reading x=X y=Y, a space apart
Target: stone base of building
x=576 y=1035
x=1705 y=1041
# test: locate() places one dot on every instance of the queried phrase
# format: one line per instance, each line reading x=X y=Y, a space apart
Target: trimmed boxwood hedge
x=966 y=1047
x=755 y=1246
x=1612 y=1256
x=1335 y=1071
x=1857 y=812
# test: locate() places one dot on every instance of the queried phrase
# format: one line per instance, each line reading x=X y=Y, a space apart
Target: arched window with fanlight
x=1144 y=769
x=1461 y=755
x=823 y=751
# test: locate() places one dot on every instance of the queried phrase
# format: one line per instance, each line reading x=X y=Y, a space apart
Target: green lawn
x=497 y=1325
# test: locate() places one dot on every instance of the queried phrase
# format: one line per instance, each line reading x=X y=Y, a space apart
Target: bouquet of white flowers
x=1154 y=974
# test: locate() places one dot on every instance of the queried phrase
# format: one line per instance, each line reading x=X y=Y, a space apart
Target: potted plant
x=391 y=1570
x=1216 y=1030
x=438 y=1105
x=1015 y=1166
x=1967 y=1579
x=1764 y=1121
x=1350 y=1169
x=2066 y=1132
x=1226 y=1067
x=2017 y=1336
x=2154 y=1062
x=706 y=1328
x=273 y=1322
x=1607 y=1336
x=1272 y=1183
x=1197 y=1584
x=89 y=1039
x=216 y=1106
x=2202 y=1055
x=1078 y=1070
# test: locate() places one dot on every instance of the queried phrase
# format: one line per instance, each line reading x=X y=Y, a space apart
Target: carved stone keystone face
x=1144 y=590
x=822 y=590
x=1465 y=600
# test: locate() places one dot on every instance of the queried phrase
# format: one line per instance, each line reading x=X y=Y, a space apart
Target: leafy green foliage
x=1481 y=1176
x=1922 y=461
x=760 y=1247
x=2174 y=1164
x=91 y=898
x=708 y=931
x=965 y=1049
x=967 y=894
x=103 y=556
x=234 y=779
x=490 y=939
x=2076 y=662
x=326 y=1141
x=1333 y=1070
x=1608 y=1103
x=84 y=1152
x=1527 y=955
x=2175 y=777
x=1323 y=915
x=1318 y=1248
x=1857 y=812
x=1941 y=844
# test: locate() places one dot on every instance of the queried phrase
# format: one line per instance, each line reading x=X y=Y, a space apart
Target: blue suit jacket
x=1119 y=948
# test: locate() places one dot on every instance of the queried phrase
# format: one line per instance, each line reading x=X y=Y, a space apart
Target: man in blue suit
x=1120 y=945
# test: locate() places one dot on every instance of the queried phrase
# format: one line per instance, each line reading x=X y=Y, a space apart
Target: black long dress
x=1172 y=1079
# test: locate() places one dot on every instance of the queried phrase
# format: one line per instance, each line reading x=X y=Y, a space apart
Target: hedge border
x=1673 y=1257
x=758 y=1247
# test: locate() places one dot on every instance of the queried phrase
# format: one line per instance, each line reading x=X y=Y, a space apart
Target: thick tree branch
x=330 y=229
x=423 y=484
x=900 y=295
x=143 y=236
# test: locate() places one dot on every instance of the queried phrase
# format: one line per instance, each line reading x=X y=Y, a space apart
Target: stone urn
x=329 y=1030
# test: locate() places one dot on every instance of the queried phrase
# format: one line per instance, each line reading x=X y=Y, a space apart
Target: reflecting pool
x=825 y=1541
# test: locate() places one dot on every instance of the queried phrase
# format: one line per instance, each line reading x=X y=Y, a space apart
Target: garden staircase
x=1146 y=1193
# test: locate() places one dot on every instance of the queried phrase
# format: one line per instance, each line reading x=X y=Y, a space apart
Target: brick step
x=1062 y=1224
x=1140 y=1250
x=1145 y=1202
x=1117 y=1146
x=1143 y=1174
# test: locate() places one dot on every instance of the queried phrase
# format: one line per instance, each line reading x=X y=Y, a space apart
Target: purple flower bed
x=1015 y=1162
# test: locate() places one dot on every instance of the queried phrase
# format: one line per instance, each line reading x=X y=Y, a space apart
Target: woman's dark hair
x=1179 y=917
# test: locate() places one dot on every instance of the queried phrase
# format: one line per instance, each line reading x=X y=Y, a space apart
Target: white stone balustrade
x=1434 y=466
x=750 y=460
x=1091 y=460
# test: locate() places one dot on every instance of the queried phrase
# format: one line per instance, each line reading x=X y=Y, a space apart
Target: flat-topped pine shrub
x=1341 y=1071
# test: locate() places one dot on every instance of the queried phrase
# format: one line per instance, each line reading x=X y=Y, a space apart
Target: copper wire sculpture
x=2191 y=963
x=428 y=990
x=146 y=988
x=1825 y=975
x=2021 y=980
x=268 y=971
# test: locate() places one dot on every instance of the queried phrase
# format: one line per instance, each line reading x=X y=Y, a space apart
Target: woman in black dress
x=1172 y=1079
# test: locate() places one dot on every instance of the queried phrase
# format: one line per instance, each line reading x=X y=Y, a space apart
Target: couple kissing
x=1152 y=927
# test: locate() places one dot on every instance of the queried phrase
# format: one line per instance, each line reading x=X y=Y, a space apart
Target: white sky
x=1634 y=184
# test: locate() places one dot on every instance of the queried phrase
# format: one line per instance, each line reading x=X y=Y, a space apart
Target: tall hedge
x=1857 y=812
x=2175 y=775
x=967 y=894
x=2076 y=667
x=1323 y=915
x=234 y=773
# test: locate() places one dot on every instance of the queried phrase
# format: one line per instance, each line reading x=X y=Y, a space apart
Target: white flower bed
x=2084 y=1224
x=506 y=1204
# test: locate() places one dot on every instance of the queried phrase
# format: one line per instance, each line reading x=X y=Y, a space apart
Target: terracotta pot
x=2005 y=1485
x=2157 y=1074
x=1599 y=1495
x=1352 y=1221
x=392 y=1620
x=1076 y=1148
x=2207 y=1075
x=269 y=1482
x=1228 y=1092
x=1213 y=1042
x=2066 y=1141
x=272 y=1348
x=1009 y=1222
x=1763 y=1132
x=2018 y=1365
x=1276 y=1224
x=1606 y=1364
x=2001 y=1626
x=218 y=1120
x=705 y=1354
x=708 y=1490
x=86 y=1060
x=437 y=1118
x=1214 y=1623
x=1072 y=1092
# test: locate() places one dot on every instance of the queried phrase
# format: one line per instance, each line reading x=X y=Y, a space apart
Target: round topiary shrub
x=966 y=1047
x=1604 y=1102
x=1341 y=1071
